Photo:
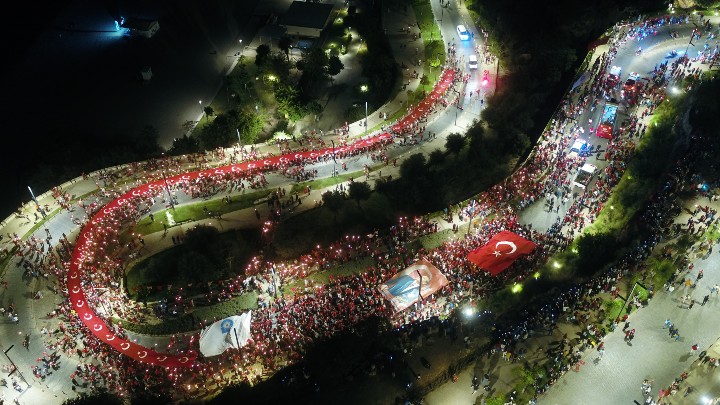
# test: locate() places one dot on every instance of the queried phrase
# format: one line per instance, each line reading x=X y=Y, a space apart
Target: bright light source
x=536 y=275
x=364 y=88
x=468 y=311
x=674 y=90
x=557 y=265
x=516 y=288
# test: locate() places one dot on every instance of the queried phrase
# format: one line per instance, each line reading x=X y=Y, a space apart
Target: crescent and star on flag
x=504 y=242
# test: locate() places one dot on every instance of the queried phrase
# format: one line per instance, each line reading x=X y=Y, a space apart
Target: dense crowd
x=283 y=329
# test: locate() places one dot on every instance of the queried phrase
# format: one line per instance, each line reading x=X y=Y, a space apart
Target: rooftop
x=309 y=15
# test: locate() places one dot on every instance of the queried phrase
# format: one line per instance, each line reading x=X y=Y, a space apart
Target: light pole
x=420 y=297
x=238 y=132
x=334 y=161
x=39 y=207
x=201 y=107
x=167 y=188
x=366 y=118
x=15 y=368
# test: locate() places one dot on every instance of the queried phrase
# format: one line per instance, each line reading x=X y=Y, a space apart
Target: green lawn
x=323 y=277
x=326 y=182
x=195 y=211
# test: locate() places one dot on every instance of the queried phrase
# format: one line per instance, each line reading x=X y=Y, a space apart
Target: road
x=32 y=312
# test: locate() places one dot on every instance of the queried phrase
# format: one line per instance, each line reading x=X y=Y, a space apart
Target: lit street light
x=366 y=118
x=37 y=204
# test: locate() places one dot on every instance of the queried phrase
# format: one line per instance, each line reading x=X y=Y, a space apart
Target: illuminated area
x=305 y=202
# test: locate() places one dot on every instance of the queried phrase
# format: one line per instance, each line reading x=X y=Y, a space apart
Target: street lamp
x=39 y=207
x=366 y=118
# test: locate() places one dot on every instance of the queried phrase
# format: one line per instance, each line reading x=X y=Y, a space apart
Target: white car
x=472 y=62
x=463 y=33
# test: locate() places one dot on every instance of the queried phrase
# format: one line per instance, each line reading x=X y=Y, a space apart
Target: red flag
x=500 y=252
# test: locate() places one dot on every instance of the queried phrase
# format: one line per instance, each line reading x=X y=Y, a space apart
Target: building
x=306 y=20
x=141 y=28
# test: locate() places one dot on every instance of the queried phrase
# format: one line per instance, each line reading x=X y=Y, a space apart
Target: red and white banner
x=500 y=252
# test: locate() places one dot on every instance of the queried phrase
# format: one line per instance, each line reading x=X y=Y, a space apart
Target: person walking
x=667 y=324
x=694 y=348
x=705 y=299
x=692 y=302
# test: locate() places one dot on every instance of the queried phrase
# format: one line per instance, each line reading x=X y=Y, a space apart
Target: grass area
x=196 y=211
x=434 y=55
x=434 y=240
x=712 y=234
x=205 y=256
x=320 y=184
x=323 y=277
x=191 y=321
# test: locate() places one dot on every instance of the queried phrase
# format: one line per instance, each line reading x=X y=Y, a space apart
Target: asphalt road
x=32 y=312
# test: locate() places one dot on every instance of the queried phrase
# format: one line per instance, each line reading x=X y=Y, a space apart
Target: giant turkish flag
x=500 y=252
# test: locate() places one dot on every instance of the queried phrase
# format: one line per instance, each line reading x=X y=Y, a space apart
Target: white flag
x=230 y=333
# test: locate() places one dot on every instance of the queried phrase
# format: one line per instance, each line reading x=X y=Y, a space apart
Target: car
x=463 y=33
x=579 y=148
x=473 y=62
x=584 y=176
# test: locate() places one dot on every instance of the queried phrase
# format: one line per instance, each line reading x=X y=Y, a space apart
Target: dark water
x=72 y=76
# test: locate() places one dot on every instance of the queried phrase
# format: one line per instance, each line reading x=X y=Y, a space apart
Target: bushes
x=206 y=255
x=191 y=321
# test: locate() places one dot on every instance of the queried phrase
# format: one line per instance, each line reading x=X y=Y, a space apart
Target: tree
x=250 y=125
x=184 y=145
x=424 y=80
x=359 y=191
x=436 y=157
x=261 y=55
x=335 y=66
x=313 y=67
x=102 y=397
x=454 y=143
x=285 y=44
x=208 y=112
x=334 y=201
x=413 y=168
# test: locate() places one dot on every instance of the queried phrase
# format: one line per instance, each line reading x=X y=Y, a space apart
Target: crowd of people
x=283 y=329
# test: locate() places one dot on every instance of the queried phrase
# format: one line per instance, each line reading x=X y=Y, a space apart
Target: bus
x=607 y=121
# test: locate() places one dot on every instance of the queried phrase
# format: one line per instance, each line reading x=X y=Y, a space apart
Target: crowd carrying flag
x=500 y=252
x=230 y=333
x=402 y=290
